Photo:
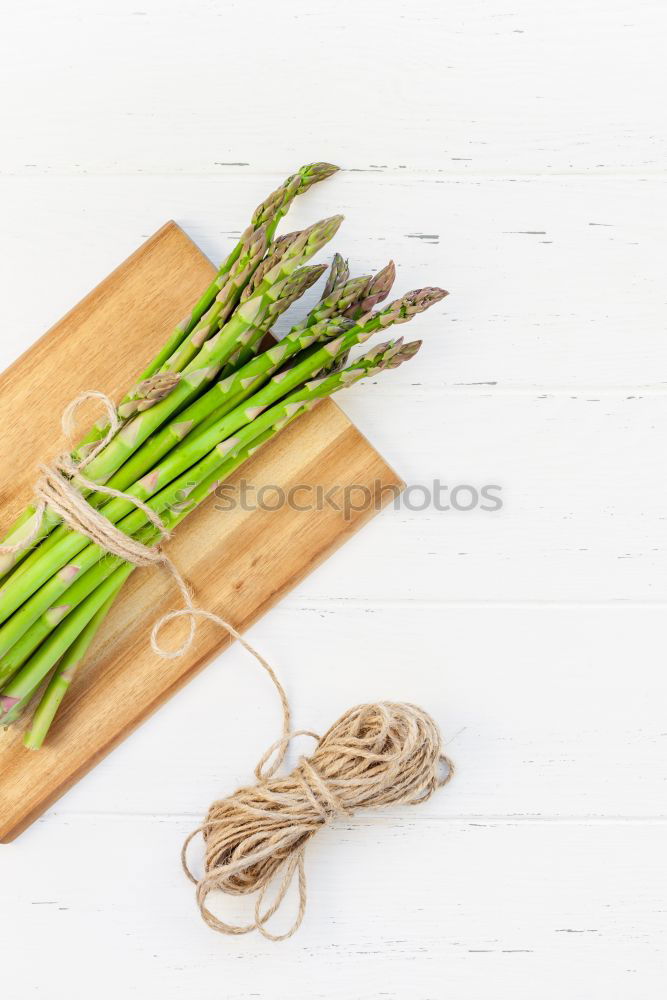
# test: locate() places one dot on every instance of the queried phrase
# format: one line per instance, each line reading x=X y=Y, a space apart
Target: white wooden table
x=514 y=153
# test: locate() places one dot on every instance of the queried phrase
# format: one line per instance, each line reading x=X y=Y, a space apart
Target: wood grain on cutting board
x=240 y=561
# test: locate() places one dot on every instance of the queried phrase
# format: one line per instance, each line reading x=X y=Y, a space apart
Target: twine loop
x=58 y=489
x=55 y=489
x=375 y=755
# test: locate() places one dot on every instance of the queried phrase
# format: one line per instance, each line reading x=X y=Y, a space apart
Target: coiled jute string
x=375 y=755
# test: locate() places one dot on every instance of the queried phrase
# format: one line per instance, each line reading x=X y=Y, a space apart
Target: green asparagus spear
x=57 y=644
x=64 y=674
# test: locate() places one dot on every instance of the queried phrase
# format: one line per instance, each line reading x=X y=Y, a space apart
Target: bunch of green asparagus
x=211 y=397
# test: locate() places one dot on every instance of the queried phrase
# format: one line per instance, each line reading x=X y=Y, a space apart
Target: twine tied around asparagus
x=55 y=489
x=375 y=755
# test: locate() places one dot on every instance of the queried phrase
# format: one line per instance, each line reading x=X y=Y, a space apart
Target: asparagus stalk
x=223 y=305
x=64 y=674
x=55 y=692
x=57 y=644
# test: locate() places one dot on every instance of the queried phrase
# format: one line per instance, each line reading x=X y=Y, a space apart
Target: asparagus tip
x=404 y=353
x=424 y=298
x=411 y=304
x=393 y=353
x=384 y=279
x=314 y=172
x=338 y=275
x=378 y=288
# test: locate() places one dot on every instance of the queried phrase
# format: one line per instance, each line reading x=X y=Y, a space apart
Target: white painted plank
x=554 y=282
x=581 y=470
x=157 y=86
x=410 y=909
x=548 y=712
x=583 y=486
x=582 y=481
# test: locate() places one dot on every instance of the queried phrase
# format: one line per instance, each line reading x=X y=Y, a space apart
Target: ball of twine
x=373 y=756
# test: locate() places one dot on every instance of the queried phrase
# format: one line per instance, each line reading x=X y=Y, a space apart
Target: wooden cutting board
x=241 y=562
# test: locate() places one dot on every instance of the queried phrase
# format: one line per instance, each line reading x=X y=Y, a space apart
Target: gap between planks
x=388 y=818
x=433 y=604
x=530 y=390
x=369 y=174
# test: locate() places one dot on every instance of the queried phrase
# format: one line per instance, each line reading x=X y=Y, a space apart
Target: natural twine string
x=55 y=490
x=374 y=756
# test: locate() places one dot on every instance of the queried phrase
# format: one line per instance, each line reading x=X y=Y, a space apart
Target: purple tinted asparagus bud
x=338 y=275
x=377 y=291
x=340 y=300
x=418 y=301
x=337 y=365
x=393 y=353
x=283 y=243
x=148 y=393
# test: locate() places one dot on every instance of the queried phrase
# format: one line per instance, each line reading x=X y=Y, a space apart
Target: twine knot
x=375 y=755
x=58 y=489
